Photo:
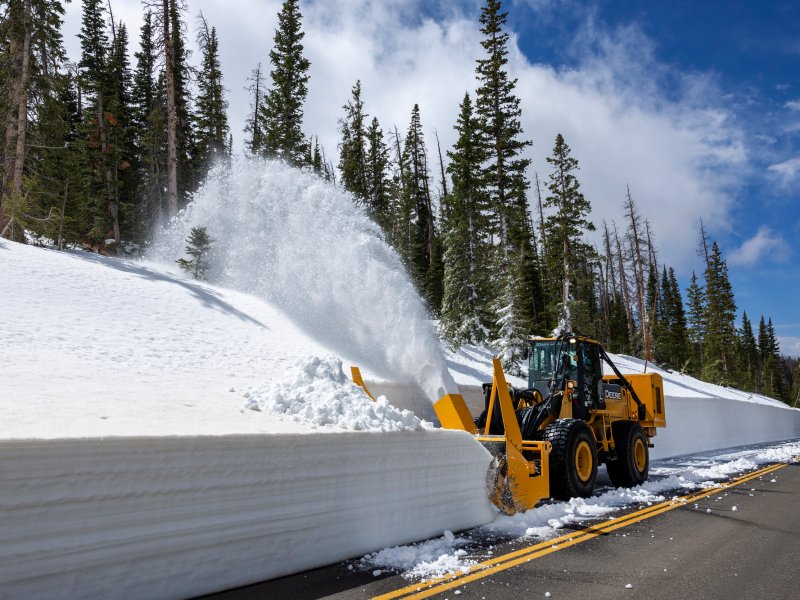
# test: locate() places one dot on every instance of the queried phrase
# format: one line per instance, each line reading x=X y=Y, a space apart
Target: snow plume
x=317 y=391
x=288 y=236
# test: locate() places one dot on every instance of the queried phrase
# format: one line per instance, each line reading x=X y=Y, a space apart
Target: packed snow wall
x=703 y=423
x=179 y=517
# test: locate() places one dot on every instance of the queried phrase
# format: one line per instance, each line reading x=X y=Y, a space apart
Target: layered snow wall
x=178 y=517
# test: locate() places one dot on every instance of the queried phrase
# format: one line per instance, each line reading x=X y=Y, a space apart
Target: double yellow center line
x=430 y=587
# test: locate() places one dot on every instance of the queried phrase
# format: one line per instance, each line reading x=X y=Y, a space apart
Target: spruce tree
x=379 y=184
x=567 y=250
x=353 y=147
x=188 y=173
x=417 y=243
x=95 y=84
x=466 y=316
x=719 y=345
x=210 y=109
x=30 y=49
x=255 y=85
x=748 y=356
x=281 y=114
x=679 y=344
x=198 y=245
x=696 y=318
x=498 y=109
x=149 y=120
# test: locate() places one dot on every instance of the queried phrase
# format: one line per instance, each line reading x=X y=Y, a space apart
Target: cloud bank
x=628 y=118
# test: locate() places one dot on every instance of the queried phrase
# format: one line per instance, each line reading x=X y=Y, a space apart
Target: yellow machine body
x=520 y=475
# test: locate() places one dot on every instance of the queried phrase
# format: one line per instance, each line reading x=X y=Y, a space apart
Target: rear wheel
x=573 y=459
x=633 y=456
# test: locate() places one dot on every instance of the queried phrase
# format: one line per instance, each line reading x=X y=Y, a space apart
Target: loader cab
x=567 y=361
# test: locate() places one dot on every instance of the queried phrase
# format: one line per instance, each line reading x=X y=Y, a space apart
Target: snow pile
x=432 y=558
x=317 y=391
x=287 y=236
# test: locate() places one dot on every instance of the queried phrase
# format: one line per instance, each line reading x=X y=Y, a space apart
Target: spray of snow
x=317 y=391
x=288 y=236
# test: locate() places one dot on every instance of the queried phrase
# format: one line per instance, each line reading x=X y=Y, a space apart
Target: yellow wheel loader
x=548 y=439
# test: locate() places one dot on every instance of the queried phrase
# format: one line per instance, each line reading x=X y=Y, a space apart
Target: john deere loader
x=548 y=439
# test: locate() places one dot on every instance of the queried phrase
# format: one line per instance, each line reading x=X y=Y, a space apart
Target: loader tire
x=527 y=422
x=573 y=459
x=633 y=458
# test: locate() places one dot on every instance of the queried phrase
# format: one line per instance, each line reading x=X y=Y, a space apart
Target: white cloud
x=628 y=118
x=786 y=170
x=765 y=245
x=790 y=345
x=793 y=105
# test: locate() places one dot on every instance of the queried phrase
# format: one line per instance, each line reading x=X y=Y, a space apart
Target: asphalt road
x=666 y=551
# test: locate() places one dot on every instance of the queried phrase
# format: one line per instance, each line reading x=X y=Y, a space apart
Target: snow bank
x=178 y=517
x=317 y=391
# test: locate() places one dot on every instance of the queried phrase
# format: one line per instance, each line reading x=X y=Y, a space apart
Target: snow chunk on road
x=316 y=390
x=433 y=558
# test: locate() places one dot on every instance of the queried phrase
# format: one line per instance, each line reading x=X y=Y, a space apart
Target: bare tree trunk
x=638 y=267
x=704 y=243
x=623 y=284
x=441 y=164
x=541 y=214
x=172 y=117
x=22 y=108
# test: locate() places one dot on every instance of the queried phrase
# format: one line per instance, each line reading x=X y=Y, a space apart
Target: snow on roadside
x=672 y=478
x=432 y=558
x=316 y=391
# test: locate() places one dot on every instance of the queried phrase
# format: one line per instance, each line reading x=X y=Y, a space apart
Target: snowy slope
x=163 y=438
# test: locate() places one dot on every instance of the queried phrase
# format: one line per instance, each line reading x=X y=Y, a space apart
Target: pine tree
x=253 y=123
x=31 y=52
x=417 y=244
x=149 y=120
x=466 y=317
x=95 y=84
x=210 y=109
x=379 y=184
x=748 y=356
x=121 y=143
x=188 y=174
x=353 y=147
x=679 y=344
x=719 y=344
x=281 y=114
x=696 y=317
x=565 y=228
x=498 y=109
x=198 y=245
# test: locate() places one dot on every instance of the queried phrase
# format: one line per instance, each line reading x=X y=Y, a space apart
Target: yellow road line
x=430 y=587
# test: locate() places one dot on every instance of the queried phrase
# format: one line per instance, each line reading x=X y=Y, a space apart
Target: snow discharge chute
x=288 y=236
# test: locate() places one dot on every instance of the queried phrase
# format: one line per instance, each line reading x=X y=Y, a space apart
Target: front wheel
x=633 y=457
x=573 y=459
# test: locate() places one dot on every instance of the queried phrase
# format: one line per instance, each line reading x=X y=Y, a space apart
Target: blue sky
x=751 y=53
x=695 y=105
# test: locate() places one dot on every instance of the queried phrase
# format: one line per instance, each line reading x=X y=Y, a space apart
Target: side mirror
x=526 y=352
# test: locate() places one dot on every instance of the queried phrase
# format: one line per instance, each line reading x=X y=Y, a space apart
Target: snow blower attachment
x=548 y=440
